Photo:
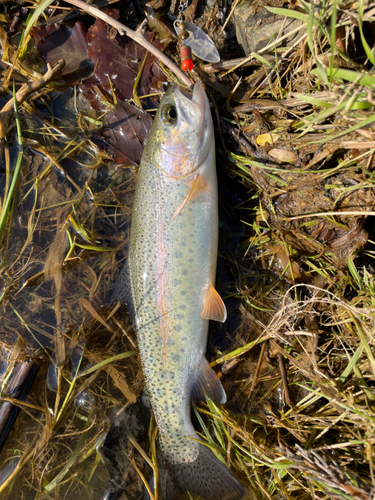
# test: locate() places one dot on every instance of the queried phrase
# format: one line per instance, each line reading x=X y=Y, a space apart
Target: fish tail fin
x=206 y=476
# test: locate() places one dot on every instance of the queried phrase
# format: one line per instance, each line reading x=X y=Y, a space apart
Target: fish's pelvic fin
x=198 y=185
x=206 y=476
x=214 y=307
x=207 y=384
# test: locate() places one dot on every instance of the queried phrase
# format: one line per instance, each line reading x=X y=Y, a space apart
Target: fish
x=171 y=270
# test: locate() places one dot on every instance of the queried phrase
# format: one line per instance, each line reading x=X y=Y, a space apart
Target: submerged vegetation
x=295 y=138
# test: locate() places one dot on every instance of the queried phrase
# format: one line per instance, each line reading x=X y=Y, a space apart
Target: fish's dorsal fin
x=207 y=384
x=198 y=185
x=214 y=307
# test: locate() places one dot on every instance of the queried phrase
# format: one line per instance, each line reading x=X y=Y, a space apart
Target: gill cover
x=183 y=131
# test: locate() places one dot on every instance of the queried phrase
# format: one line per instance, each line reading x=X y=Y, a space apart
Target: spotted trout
x=171 y=268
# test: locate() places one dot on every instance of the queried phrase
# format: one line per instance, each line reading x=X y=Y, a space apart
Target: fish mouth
x=198 y=97
x=200 y=102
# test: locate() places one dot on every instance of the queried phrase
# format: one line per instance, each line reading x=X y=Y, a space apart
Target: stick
x=284 y=378
x=136 y=36
x=28 y=88
x=18 y=389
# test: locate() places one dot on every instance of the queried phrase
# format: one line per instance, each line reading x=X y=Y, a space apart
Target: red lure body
x=186 y=58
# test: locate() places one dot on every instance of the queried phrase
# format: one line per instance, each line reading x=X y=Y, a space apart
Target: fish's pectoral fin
x=198 y=185
x=214 y=307
x=207 y=384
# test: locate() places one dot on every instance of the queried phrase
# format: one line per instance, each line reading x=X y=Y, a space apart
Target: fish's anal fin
x=198 y=185
x=214 y=307
x=207 y=384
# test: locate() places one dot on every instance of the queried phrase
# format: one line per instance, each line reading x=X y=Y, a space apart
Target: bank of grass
x=301 y=424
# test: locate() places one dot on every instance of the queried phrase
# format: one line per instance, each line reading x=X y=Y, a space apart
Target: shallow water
x=59 y=261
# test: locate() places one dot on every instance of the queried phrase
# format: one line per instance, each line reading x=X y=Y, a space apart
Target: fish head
x=183 y=131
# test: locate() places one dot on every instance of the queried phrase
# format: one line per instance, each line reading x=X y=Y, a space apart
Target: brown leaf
x=86 y=304
x=126 y=132
x=69 y=45
x=119 y=60
x=55 y=255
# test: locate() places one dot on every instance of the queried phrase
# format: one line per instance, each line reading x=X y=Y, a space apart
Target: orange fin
x=198 y=185
x=214 y=307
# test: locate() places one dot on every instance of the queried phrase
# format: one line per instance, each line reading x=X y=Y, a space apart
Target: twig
x=28 y=88
x=257 y=369
x=284 y=378
x=136 y=36
x=229 y=64
x=343 y=213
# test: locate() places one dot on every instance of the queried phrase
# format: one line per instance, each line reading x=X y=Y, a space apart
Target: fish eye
x=169 y=114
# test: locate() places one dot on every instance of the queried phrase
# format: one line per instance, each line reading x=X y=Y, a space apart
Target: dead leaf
x=119 y=60
x=126 y=132
x=86 y=304
x=283 y=155
x=120 y=383
x=69 y=44
x=262 y=139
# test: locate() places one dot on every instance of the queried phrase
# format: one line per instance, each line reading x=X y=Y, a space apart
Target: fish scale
x=172 y=266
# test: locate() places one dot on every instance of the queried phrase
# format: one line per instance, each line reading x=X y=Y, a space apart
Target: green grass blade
x=288 y=13
x=366 y=46
x=8 y=201
x=31 y=21
x=312 y=100
x=60 y=476
x=332 y=39
x=349 y=75
x=310 y=28
x=105 y=362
